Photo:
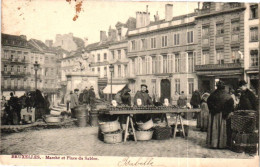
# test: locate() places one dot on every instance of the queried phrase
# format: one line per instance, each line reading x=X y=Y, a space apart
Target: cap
x=144 y=85
x=242 y=82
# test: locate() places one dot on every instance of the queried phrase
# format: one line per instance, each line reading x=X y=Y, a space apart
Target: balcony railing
x=218 y=66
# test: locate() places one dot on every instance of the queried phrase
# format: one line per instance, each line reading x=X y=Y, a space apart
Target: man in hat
x=220 y=105
x=74 y=102
x=145 y=100
x=143 y=95
x=247 y=100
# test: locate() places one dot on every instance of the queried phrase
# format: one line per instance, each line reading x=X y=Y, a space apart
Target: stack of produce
x=244 y=136
x=144 y=130
x=111 y=132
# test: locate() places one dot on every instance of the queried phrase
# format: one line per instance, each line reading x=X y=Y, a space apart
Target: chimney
x=138 y=20
x=142 y=18
x=49 y=43
x=168 y=12
x=103 y=36
x=86 y=41
x=23 y=37
x=156 y=17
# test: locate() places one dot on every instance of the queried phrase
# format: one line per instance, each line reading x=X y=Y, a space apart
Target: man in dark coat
x=146 y=100
x=143 y=95
x=247 y=100
x=92 y=96
x=220 y=105
x=195 y=99
x=126 y=97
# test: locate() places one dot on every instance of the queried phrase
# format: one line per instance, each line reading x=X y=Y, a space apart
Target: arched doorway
x=165 y=90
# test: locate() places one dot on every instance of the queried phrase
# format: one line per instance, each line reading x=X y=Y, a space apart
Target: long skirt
x=217 y=131
x=39 y=113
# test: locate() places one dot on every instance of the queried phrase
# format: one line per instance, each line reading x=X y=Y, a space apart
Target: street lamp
x=111 y=69
x=36 y=68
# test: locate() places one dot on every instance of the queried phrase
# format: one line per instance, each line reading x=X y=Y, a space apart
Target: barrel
x=94 y=118
x=81 y=113
x=82 y=121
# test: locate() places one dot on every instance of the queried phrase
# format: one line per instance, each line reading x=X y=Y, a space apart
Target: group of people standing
x=87 y=96
x=216 y=111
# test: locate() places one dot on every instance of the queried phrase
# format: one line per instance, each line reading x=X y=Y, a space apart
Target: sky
x=43 y=19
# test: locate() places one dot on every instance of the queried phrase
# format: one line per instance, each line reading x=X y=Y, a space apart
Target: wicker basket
x=109 y=126
x=243 y=123
x=113 y=138
x=51 y=119
x=145 y=126
x=162 y=133
x=144 y=135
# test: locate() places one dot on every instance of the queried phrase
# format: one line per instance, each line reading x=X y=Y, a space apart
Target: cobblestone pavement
x=84 y=141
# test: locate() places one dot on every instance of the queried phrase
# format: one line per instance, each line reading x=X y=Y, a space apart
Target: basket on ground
x=52 y=119
x=114 y=137
x=144 y=135
x=146 y=125
x=162 y=133
x=109 y=126
x=243 y=122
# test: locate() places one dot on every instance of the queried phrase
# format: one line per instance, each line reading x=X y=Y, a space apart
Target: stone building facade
x=162 y=55
x=15 y=59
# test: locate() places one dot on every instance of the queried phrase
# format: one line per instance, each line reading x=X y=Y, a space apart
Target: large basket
x=52 y=119
x=109 y=126
x=162 y=133
x=144 y=135
x=113 y=138
x=243 y=122
x=145 y=126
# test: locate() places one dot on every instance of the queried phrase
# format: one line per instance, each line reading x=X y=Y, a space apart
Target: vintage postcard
x=129 y=83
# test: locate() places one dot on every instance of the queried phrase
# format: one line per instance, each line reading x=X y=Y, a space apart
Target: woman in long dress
x=204 y=114
x=220 y=105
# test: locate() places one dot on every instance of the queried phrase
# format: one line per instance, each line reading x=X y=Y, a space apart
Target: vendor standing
x=146 y=100
x=220 y=105
x=74 y=102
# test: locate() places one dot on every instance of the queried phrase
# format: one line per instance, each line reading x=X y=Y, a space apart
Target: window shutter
x=195 y=59
x=173 y=63
x=160 y=63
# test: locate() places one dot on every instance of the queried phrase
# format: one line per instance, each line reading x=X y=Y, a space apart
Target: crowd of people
x=11 y=108
x=72 y=100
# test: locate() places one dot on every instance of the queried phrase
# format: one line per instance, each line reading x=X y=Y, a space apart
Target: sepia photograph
x=129 y=83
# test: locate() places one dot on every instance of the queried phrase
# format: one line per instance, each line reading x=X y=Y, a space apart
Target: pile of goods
x=149 y=107
x=244 y=134
x=56 y=115
x=144 y=130
x=111 y=132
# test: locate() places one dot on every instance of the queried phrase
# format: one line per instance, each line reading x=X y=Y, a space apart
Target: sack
x=162 y=133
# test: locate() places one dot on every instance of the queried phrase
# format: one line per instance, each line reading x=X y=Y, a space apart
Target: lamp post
x=111 y=69
x=36 y=68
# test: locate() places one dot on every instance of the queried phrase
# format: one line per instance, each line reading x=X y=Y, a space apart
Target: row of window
x=234 y=29
x=122 y=71
x=164 y=41
x=235 y=57
x=165 y=63
x=20 y=83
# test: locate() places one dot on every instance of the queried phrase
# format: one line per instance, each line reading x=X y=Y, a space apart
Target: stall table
x=130 y=113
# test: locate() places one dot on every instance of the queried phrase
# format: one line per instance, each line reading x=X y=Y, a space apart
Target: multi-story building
x=162 y=54
x=67 y=42
x=251 y=45
x=221 y=44
x=14 y=61
x=48 y=74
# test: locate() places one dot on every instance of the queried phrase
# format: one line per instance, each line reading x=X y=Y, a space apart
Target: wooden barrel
x=82 y=121
x=81 y=111
x=93 y=118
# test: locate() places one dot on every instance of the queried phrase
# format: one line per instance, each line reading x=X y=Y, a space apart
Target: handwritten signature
x=131 y=162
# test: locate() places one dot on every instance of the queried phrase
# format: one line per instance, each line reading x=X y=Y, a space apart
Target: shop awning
x=115 y=89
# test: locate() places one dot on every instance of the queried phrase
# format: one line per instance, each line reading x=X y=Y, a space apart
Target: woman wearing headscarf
x=220 y=105
x=39 y=105
x=204 y=114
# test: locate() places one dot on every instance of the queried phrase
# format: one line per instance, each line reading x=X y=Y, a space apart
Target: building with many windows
x=251 y=51
x=15 y=60
x=220 y=29
x=163 y=54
